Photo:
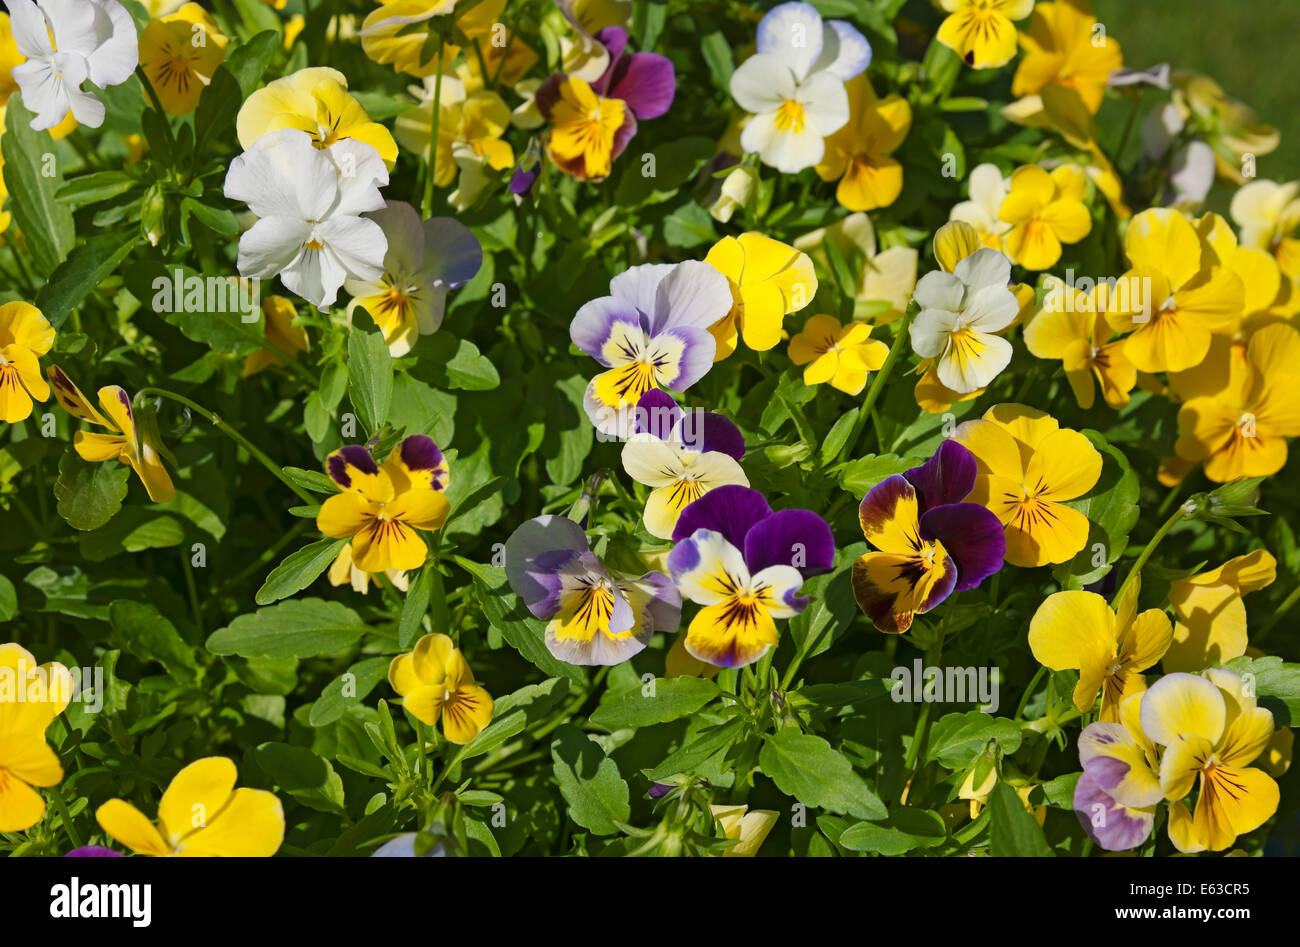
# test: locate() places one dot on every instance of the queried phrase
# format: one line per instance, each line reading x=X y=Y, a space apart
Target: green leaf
x=89 y=494
x=861 y=475
x=471 y=370
x=514 y=712
x=808 y=768
x=147 y=634
x=93 y=188
x=905 y=830
x=349 y=689
x=698 y=750
x=669 y=699
x=414 y=607
x=33 y=179
x=1013 y=833
x=299 y=570
x=717 y=56
x=956 y=739
x=216 y=314
x=370 y=378
x=312 y=480
x=302 y=774
x=589 y=781
x=1274 y=682
x=134 y=530
x=249 y=61
x=301 y=628
x=85 y=268
x=8 y=599
x=689 y=226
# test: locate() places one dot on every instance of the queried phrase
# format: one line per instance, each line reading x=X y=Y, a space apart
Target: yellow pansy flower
x=25 y=335
x=981 y=31
x=1062 y=47
x=883 y=279
x=316 y=101
x=201 y=814
x=1267 y=295
x=125 y=442
x=858 y=154
x=1185 y=295
x=279 y=314
x=1109 y=649
x=380 y=507
x=1044 y=210
x=841 y=355
x=1028 y=467
x=768 y=281
x=584 y=129
x=435 y=680
x=390 y=35
x=1238 y=427
x=955 y=241
x=1071 y=326
x=475 y=120
x=179 y=53
x=1268 y=214
x=1210 y=727
x=31 y=696
x=747 y=827
x=1211 y=626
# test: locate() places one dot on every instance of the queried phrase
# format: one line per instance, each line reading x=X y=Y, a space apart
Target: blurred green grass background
x=1248 y=48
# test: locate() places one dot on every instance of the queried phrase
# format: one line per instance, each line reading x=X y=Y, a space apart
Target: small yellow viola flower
x=883 y=279
x=768 y=280
x=125 y=442
x=1268 y=215
x=380 y=507
x=1028 y=467
x=982 y=32
x=279 y=314
x=435 y=680
x=1210 y=727
x=201 y=815
x=584 y=128
x=1109 y=649
x=1180 y=294
x=476 y=120
x=316 y=101
x=748 y=828
x=1062 y=47
x=1071 y=326
x=1044 y=210
x=858 y=154
x=179 y=53
x=390 y=35
x=343 y=571
x=1240 y=427
x=955 y=241
x=1211 y=626
x=840 y=355
x=31 y=696
x=25 y=335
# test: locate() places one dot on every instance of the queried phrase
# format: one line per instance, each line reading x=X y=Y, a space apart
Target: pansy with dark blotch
x=652 y=331
x=744 y=564
x=681 y=455
x=929 y=543
x=594 y=617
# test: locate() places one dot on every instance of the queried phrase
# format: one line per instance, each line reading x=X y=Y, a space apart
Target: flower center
x=790 y=116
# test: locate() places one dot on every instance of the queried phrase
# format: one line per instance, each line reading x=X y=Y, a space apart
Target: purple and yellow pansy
x=1116 y=796
x=652 y=331
x=594 y=617
x=682 y=455
x=928 y=542
x=381 y=507
x=744 y=564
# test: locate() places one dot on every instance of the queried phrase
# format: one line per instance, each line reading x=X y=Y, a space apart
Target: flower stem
x=231 y=433
x=1146 y=553
x=921 y=735
x=878 y=385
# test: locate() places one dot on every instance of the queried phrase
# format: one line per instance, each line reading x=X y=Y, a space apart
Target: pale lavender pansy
x=650 y=332
x=594 y=617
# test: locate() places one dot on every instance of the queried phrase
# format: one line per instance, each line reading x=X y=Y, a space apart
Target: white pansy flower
x=67 y=42
x=794 y=85
x=960 y=312
x=309 y=202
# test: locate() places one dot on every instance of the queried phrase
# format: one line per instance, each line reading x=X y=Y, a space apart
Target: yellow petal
x=250 y=826
x=195 y=796
x=131 y=827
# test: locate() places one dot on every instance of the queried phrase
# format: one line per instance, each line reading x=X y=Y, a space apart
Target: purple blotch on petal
x=354 y=455
x=798 y=538
x=419 y=452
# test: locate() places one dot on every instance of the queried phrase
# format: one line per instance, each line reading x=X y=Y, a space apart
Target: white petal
x=761 y=83
x=357 y=244
x=984 y=267
x=271 y=245
x=639 y=285
x=30 y=32
x=784 y=582
x=86 y=108
x=361 y=172
x=791 y=152
x=930 y=331
x=452 y=254
x=792 y=33
x=404 y=231
x=990 y=308
x=693 y=294
x=851 y=51
x=988 y=189
x=283 y=174
x=42 y=93
x=118 y=52
x=971 y=374
x=825 y=102
x=939 y=290
x=650 y=461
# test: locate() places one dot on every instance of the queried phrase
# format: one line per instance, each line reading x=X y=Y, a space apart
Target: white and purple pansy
x=681 y=455
x=1115 y=798
x=650 y=332
x=594 y=617
x=744 y=564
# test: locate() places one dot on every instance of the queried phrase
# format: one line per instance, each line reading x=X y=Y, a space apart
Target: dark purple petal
x=798 y=538
x=656 y=413
x=646 y=82
x=947 y=477
x=1114 y=827
x=731 y=510
x=353 y=455
x=523 y=180
x=624 y=134
x=707 y=431
x=548 y=93
x=659 y=790
x=972 y=536
x=93 y=851
x=419 y=452
x=614 y=39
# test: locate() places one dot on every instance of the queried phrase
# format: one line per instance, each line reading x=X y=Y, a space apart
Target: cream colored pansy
x=988 y=189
